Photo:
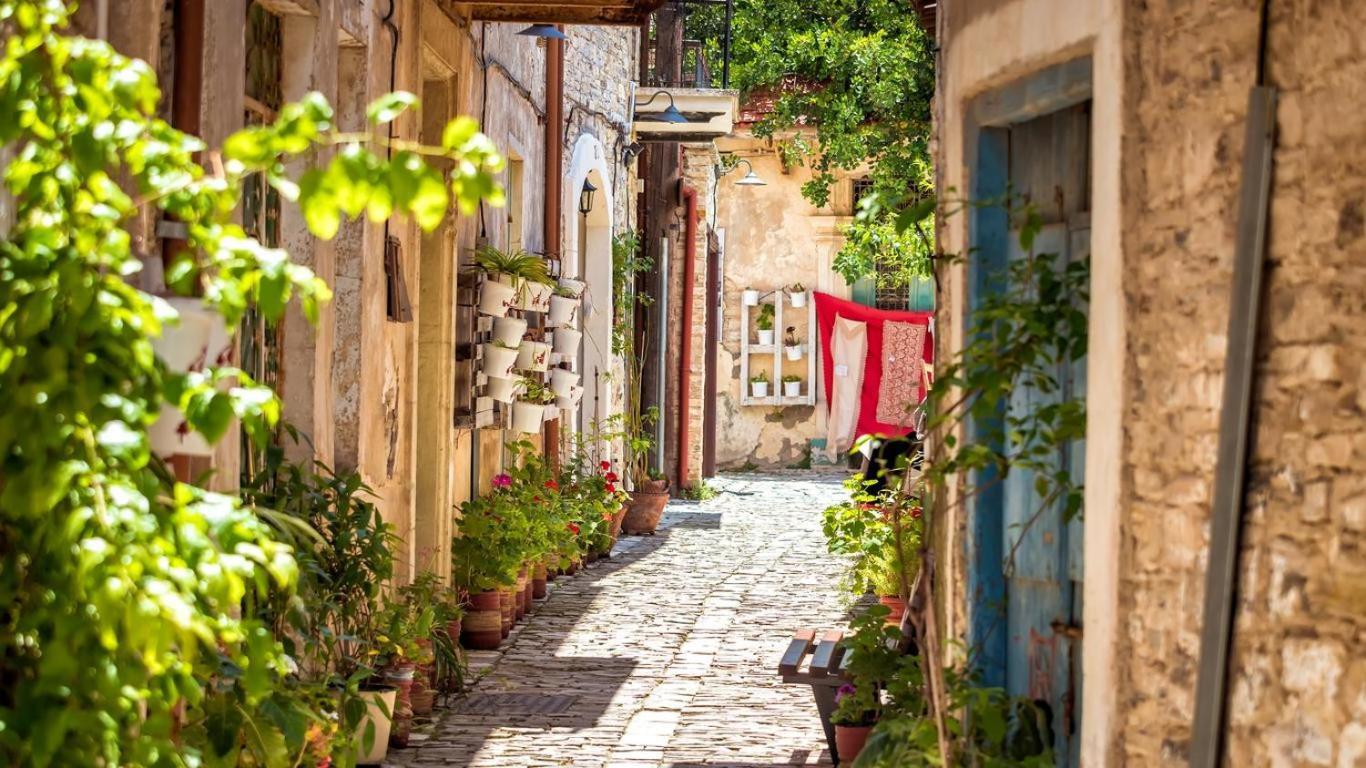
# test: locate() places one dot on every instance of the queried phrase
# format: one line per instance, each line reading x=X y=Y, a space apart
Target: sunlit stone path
x=665 y=655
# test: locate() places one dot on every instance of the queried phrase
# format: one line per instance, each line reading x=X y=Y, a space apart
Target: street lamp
x=547 y=31
x=669 y=115
x=750 y=179
x=586 y=197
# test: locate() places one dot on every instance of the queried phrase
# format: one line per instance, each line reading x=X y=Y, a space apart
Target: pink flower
x=503 y=480
x=844 y=690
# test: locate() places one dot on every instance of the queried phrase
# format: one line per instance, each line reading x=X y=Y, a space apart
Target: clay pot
x=482 y=630
x=646 y=507
x=529 y=595
x=423 y=695
x=519 y=597
x=507 y=604
x=379 y=708
x=849 y=741
x=454 y=627
x=400 y=677
x=897 y=606
x=617 y=518
x=540 y=576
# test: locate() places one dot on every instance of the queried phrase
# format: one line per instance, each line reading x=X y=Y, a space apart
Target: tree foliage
x=123 y=588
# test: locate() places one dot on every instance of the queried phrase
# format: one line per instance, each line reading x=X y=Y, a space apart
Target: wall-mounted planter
x=499 y=361
x=504 y=390
x=563 y=311
x=536 y=297
x=498 y=295
x=574 y=286
x=794 y=351
x=749 y=298
x=563 y=381
x=571 y=402
x=765 y=337
x=759 y=388
x=527 y=417
x=533 y=356
x=798 y=299
x=509 y=331
x=792 y=389
x=567 y=341
x=199 y=339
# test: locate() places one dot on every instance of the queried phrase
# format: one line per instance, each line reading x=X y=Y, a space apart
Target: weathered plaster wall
x=773 y=238
x=1298 y=673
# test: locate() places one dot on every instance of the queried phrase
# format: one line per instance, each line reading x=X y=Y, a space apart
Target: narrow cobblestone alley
x=665 y=655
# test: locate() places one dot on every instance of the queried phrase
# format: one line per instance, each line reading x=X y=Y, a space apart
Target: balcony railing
x=704 y=49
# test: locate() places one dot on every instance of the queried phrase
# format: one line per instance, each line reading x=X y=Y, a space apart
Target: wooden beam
x=598 y=12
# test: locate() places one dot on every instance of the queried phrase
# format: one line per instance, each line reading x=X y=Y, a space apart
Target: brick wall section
x=1299 y=674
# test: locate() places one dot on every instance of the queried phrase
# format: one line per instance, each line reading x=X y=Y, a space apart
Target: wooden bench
x=818 y=659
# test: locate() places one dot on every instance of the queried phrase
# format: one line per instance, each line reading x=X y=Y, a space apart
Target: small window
x=514 y=203
x=860 y=190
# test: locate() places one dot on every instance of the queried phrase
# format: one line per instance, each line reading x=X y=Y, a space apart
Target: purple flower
x=502 y=481
x=844 y=690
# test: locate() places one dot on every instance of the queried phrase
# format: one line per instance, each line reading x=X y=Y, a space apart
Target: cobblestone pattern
x=670 y=649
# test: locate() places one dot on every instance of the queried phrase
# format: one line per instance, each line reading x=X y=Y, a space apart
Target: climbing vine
x=122 y=588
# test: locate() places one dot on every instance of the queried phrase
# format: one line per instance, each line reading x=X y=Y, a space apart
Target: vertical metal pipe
x=662 y=354
x=554 y=170
x=685 y=370
x=725 y=46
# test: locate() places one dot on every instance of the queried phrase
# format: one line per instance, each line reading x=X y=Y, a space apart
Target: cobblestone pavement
x=666 y=655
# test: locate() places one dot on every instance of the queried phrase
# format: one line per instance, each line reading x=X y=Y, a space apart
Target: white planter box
x=499 y=361
x=563 y=382
x=563 y=311
x=798 y=299
x=503 y=390
x=750 y=298
x=567 y=342
x=792 y=388
x=576 y=286
x=527 y=417
x=794 y=351
x=536 y=296
x=759 y=388
x=765 y=338
x=533 y=356
x=509 y=331
x=572 y=401
x=497 y=296
x=197 y=340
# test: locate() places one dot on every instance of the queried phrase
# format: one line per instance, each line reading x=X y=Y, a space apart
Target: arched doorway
x=588 y=257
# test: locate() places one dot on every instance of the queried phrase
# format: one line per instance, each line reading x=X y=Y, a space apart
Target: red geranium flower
x=916 y=512
x=606 y=515
x=606 y=465
x=611 y=488
x=552 y=485
x=574 y=529
x=611 y=477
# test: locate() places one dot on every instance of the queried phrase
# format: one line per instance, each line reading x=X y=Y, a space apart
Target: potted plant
x=749 y=297
x=503 y=390
x=570 y=402
x=507 y=273
x=528 y=411
x=798 y=295
x=538 y=294
x=792 y=385
x=400 y=628
x=791 y=345
x=564 y=307
x=856 y=709
x=533 y=356
x=764 y=325
x=758 y=384
x=508 y=331
x=566 y=341
x=486 y=552
x=563 y=381
x=499 y=359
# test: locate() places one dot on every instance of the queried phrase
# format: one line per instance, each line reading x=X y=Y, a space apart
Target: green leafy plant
x=518 y=263
x=759 y=378
x=125 y=588
x=764 y=320
x=797 y=288
x=791 y=378
x=535 y=391
x=700 y=491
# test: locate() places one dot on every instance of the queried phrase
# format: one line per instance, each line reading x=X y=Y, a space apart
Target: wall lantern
x=669 y=115
x=750 y=179
x=547 y=31
x=586 y=197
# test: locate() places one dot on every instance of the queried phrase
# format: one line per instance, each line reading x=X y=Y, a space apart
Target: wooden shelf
x=781 y=300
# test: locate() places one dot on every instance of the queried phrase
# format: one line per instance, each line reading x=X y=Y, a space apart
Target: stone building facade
x=377 y=393
x=1162 y=89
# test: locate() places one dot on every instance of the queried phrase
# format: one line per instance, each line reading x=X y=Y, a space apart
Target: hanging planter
x=750 y=297
x=499 y=361
x=378 y=719
x=509 y=331
x=759 y=386
x=498 y=294
x=562 y=382
x=536 y=296
x=199 y=339
x=503 y=390
x=572 y=401
x=563 y=311
x=527 y=417
x=798 y=295
x=573 y=287
x=533 y=356
x=794 y=351
x=567 y=341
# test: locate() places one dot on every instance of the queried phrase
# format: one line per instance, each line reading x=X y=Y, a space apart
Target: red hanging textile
x=827 y=308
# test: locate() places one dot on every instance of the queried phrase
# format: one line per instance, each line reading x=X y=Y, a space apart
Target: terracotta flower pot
x=519 y=597
x=423 y=695
x=379 y=708
x=849 y=741
x=401 y=676
x=897 y=606
x=507 y=605
x=529 y=595
x=454 y=627
x=483 y=626
x=617 y=517
x=646 y=507
x=540 y=576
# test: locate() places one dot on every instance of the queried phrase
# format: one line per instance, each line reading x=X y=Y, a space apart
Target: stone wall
x=1298 y=675
x=599 y=67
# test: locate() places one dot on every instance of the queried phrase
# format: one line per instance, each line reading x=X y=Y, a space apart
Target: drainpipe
x=554 y=169
x=685 y=370
x=186 y=93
